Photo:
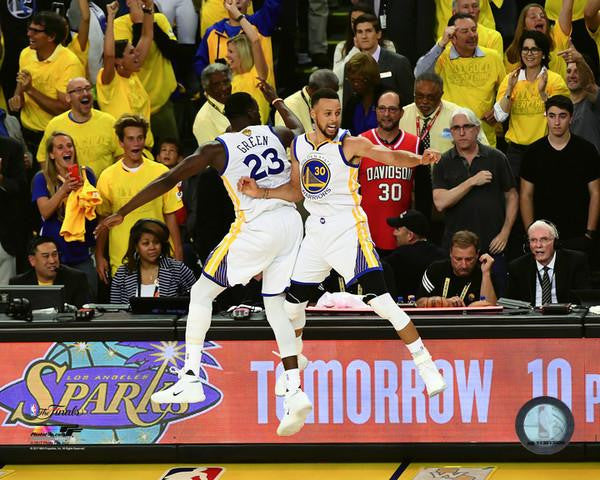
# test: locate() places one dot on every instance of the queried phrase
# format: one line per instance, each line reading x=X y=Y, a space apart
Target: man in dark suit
x=47 y=270
x=394 y=69
x=547 y=274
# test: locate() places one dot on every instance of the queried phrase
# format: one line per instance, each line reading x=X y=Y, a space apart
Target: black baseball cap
x=413 y=220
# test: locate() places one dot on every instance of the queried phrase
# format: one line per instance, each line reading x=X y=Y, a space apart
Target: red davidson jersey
x=386 y=191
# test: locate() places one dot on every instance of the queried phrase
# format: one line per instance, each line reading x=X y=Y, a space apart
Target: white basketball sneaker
x=280 y=386
x=188 y=389
x=431 y=376
x=296 y=407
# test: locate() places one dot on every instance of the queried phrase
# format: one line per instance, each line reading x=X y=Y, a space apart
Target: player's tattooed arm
x=208 y=154
x=358 y=147
x=289 y=192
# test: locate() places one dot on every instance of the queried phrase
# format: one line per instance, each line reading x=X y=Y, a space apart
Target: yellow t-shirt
x=124 y=95
x=472 y=83
x=443 y=12
x=557 y=64
x=212 y=11
x=117 y=186
x=527 y=122
x=49 y=76
x=247 y=82
x=553 y=7
x=82 y=55
x=157 y=73
x=96 y=143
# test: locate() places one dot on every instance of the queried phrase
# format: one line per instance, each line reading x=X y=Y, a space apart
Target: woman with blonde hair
x=533 y=17
x=61 y=174
x=247 y=61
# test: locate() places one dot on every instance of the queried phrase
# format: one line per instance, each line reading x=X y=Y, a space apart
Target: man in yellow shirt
x=444 y=8
x=120 y=182
x=157 y=74
x=471 y=73
x=299 y=102
x=45 y=68
x=210 y=121
x=488 y=37
x=92 y=130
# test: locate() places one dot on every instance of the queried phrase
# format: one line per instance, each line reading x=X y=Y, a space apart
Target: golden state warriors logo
x=315 y=175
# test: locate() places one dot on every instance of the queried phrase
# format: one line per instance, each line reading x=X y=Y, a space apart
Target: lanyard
x=212 y=104
x=423 y=134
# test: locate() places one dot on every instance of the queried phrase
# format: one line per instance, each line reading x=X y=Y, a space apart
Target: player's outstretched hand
x=430 y=156
x=248 y=186
x=267 y=90
x=108 y=223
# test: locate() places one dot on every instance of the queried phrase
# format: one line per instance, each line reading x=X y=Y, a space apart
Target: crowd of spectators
x=99 y=99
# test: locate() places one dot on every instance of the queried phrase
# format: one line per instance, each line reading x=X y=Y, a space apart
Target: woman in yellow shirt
x=247 y=61
x=533 y=17
x=119 y=89
x=523 y=93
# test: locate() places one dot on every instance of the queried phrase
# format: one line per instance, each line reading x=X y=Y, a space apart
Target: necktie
x=425 y=140
x=546 y=287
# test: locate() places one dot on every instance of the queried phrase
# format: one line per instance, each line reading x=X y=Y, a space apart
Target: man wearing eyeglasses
x=474 y=185
x=45 y=68
x=92 y=130
x=547 y=274
x=386 y=191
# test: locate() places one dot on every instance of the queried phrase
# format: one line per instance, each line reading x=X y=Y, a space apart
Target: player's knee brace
x=202 y=295
x=385 y=307
x=280 y=324
x=296 y=312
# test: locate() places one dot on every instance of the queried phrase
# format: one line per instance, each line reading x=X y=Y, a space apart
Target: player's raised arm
x=291 y=121
x=289 y=192
x=211 y=153
x=357 y=147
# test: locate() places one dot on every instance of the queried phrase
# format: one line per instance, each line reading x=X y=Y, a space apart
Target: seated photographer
x=404 y=267
x=148 y=269
x=457 y=282
x=547 y=274
x=47 y=270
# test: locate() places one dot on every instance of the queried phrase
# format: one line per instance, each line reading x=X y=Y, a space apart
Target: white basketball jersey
x=329 y=181
x=258 y=153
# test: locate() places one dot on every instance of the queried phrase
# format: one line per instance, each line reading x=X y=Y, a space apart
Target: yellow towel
x=81 y=205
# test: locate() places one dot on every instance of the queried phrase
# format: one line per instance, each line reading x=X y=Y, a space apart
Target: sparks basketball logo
x=315 y=175
x=104 y=389
x=20 y=8
x=193 y=473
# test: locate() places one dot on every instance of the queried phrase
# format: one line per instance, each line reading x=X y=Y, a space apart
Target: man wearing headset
x=547 y=274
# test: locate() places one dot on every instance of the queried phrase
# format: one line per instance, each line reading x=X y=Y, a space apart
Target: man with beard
x=47 y=270
x=92 y=130
x=264 y=238
x=325 y=171
x=457 y=282
x=386 y=191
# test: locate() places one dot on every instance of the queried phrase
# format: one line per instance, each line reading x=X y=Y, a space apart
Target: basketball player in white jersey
x=264 y=237
x=325 y=170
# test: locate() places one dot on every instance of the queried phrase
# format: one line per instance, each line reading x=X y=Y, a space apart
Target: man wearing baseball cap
x=405 y=266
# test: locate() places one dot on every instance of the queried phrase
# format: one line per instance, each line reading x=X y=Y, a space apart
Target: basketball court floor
x=332 y=471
